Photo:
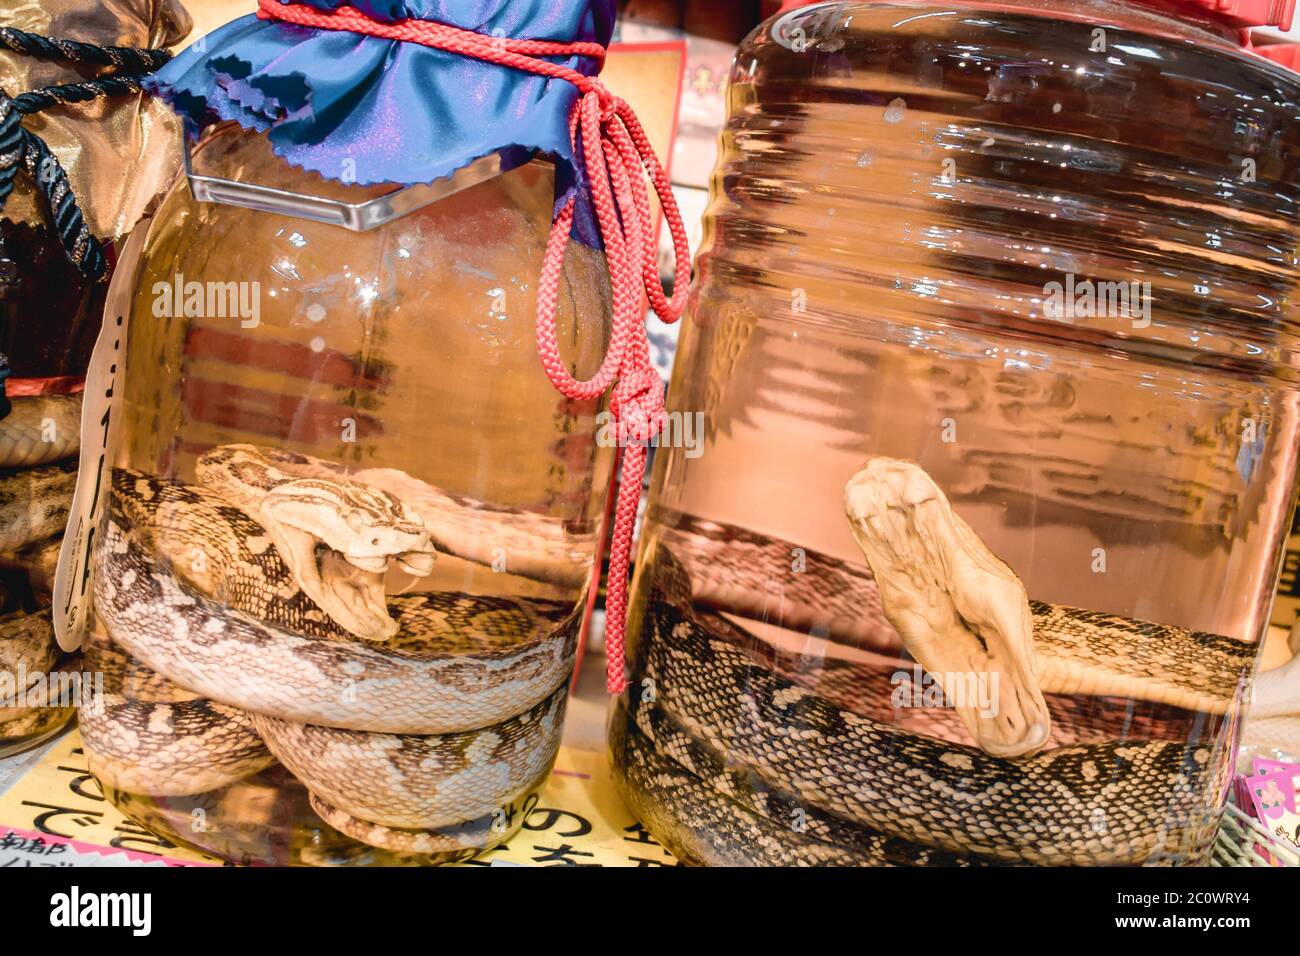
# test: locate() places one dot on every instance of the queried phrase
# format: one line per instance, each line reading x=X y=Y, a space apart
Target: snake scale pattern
x=234 y=633
x=739 y=758
x=39 y=440
x=408 y=735
x=402 y=743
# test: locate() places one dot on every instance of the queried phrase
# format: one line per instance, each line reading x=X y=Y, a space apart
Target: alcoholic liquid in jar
x=994 y=343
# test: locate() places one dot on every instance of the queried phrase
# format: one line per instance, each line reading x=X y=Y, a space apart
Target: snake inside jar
x=39 y=441
x=260 y=593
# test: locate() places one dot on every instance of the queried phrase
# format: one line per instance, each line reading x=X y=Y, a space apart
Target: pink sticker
x=1270 y=768
x=26 y=848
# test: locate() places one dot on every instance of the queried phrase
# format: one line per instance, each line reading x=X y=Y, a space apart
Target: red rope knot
x=618 y=159
x=610 y=105
x=590 y=87
x=638 y=406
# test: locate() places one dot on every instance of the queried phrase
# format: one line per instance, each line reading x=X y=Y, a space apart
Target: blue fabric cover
x=369 y=110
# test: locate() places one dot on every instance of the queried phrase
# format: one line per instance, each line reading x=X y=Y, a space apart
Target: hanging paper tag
x=99 y=416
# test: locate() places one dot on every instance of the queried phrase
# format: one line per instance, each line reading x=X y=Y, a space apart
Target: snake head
x=960 y=611
x=338 y=537
x=381 y=528
x=366 y=526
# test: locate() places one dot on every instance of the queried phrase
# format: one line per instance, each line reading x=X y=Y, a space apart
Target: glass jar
x=352 y=524
x=994 y=343
x=49 y=317
x=101 y=172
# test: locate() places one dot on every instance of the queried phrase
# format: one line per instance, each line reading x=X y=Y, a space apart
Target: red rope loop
x=616 y=153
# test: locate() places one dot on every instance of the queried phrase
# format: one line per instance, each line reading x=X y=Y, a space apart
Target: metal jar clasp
x=359 y=217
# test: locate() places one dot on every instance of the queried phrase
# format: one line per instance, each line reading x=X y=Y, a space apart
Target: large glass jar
x=52 y=301
x=49 y=317
x=994 y=340
x=351 y=524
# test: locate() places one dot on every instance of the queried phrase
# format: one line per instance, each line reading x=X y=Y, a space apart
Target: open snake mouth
x=354 y=594
x=418 y=563
x=367 y=562
x=961 y=612
x=984 y=674
x=339 y=561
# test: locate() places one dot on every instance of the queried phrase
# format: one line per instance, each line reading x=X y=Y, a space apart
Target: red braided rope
x=615 y=150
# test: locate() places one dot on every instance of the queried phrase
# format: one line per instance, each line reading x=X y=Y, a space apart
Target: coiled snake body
x=37 y=437
x=734 y=752
x=762 y=759
x=455 y=715
x=792 y=760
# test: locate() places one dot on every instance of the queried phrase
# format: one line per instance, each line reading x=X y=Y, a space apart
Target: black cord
x=21 y=146
x=11 y=145
x=27 y=103
x=128 y=59
x=82 y=248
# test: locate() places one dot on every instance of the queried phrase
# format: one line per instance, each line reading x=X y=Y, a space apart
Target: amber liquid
x=890 y=203
x=409 y=347
x=49 y=317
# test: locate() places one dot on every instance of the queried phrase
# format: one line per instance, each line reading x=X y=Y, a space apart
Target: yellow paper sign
x=576 y=819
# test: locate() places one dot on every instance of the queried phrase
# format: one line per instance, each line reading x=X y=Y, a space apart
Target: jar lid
x=1237 y=13
x=1287 y=54
x=1247 y=13
x=1242 y=14
x=368 y=110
